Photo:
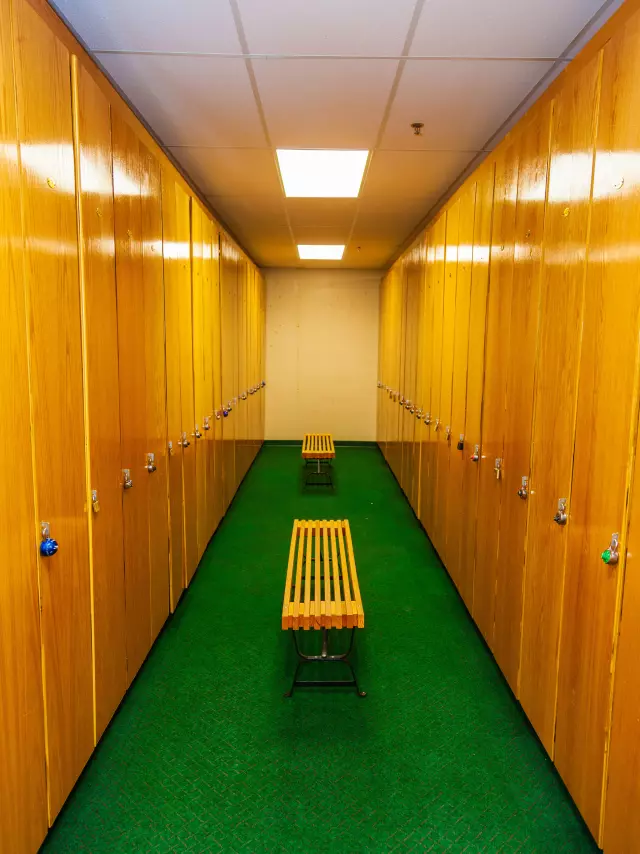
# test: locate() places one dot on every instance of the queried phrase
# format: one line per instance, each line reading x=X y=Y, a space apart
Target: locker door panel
x=156 y=387
x=207 y=403
x=521 y=361
x=198 y=374
x=227 y=301
x=430 y=470
x=606 y=416
x=443 y=433
x=411 y=343
x=475 y=381
x=49 y=215
x=133 y=391
x=172 y=251
x=421 y=348
x=241 y=383
x=459 y=386
x=95 y=199
x=185 y=308
x=23 y=796
x=493 y=413
x=423 y=428
x=562 y=295
x=218 y=421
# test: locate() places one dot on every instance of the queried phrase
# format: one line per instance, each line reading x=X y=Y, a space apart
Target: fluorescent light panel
x=321 y=173
x=320 y=252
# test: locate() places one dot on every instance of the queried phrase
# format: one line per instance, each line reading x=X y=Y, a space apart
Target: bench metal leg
x=326 y=658
x=320 y=474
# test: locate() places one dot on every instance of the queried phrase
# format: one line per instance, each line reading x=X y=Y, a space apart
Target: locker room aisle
x=206 y=755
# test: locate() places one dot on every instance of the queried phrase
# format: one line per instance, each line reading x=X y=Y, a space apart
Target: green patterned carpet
x=206 y=755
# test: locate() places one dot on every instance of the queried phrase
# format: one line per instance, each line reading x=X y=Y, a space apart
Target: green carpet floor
x=206 y=755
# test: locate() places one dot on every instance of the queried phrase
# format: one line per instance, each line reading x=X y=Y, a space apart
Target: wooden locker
x=197 y=256
x=412 y=294
x=207 y=398
x=133 y=392
x=45 y=134
x=23 y=796
x=453 y=497
x=156 y=388
x=94 y=164
x=475 y=382
x=421 y=348
x=227 y=321
x=240 y=413
x=493 y=411
x=430 y=459
x=424 y=368
x=622 y=804
x=606 y=418
x=185 y=313
x=565 y=244
x=521 y=362
x=172 y=251
x=218 y=421
x=443 y=426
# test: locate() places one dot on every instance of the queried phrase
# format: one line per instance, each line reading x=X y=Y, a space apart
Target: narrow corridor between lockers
x=206 y=755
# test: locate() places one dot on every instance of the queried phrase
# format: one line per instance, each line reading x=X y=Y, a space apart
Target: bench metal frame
x=325 y=658
x=321 y=473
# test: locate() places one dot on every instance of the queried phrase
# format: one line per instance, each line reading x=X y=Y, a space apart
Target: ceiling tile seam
x=316 y=56
x=242 y=38
x=563 y=60
x=408 y=41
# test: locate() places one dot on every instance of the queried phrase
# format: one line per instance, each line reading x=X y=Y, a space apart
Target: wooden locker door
x=419 y=371
x=426 y=335
x=156 y=387
x=185 y=312
x=94 y=164
x=218 y=421
x=606 y=416
x=443 y=431
x=172 y=251
x=44 y=112
x=495 y=382
x=457 y=454
x=411 y=343
x=521 y=362
x=207 y=399
x=197 y=255
x=23 y=795
x=227 y=302
x=622 y=804
x=430 y=467
x=562 y=295
x=397 y=303
x=133 y=392
x=241 y=382
x=475 y=381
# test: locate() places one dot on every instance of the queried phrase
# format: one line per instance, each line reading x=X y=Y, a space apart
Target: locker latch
x=197 y=433
x=48 y=546
x=207 y=422
x=436 y=425
x=447 y=433
x=127 y=483
x=419 y=414
x=95 y=504
x=498 y=467
x=427 y=418
x=460 y=444
x=243 y=395
x=611 y=555
x=151 y=463
x=561 y=516
x=523 y=492
x=184 y=441
x=475 y=456
x=170 y=448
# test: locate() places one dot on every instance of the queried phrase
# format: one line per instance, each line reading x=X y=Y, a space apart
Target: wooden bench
x=322 y=592
x=318 y=450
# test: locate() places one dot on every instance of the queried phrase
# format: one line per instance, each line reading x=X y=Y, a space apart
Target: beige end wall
x=322 y=353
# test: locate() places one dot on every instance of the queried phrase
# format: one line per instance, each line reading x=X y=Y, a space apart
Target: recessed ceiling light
x=320 y=252
x=321 y=173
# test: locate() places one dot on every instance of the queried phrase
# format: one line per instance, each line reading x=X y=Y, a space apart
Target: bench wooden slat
x=316 y=592
x=318 y=446
x=295 y=608
x=286 y=620
x=350 y=612
x=307 y=577
x=354 y=574
x=336 y=610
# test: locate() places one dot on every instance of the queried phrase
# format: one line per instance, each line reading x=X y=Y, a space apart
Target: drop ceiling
x=223 y=83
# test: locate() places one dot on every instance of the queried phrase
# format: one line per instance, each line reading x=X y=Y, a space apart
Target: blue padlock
x=225 y=412
x=48 y=546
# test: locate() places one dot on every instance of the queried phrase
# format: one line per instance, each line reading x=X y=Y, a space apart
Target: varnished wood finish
x=565 y=243
x=521 y=361
x=133 y=392
x=318 y=446
x=156 y=387
x=43 y=78
x=206 y=402
x=606 y=418
x=218 y=421
x=94 y=163
x=23 y=803
x=199 y=441
x=172 y=252
x=228 y=285
x=493 y=413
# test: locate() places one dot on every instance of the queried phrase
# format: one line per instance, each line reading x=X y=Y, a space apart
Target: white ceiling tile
x=460 y=102
x=161 y=25
x=330 y=27
x=321 y=212
x=413 y=174
x=516 y=28
x=231 y=171
x=254 y=212
x=322 y=103
x=322 y=236
x=191 y=100
x=373 y=254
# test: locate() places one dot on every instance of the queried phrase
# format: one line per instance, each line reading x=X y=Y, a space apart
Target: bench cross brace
x=324 y=657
